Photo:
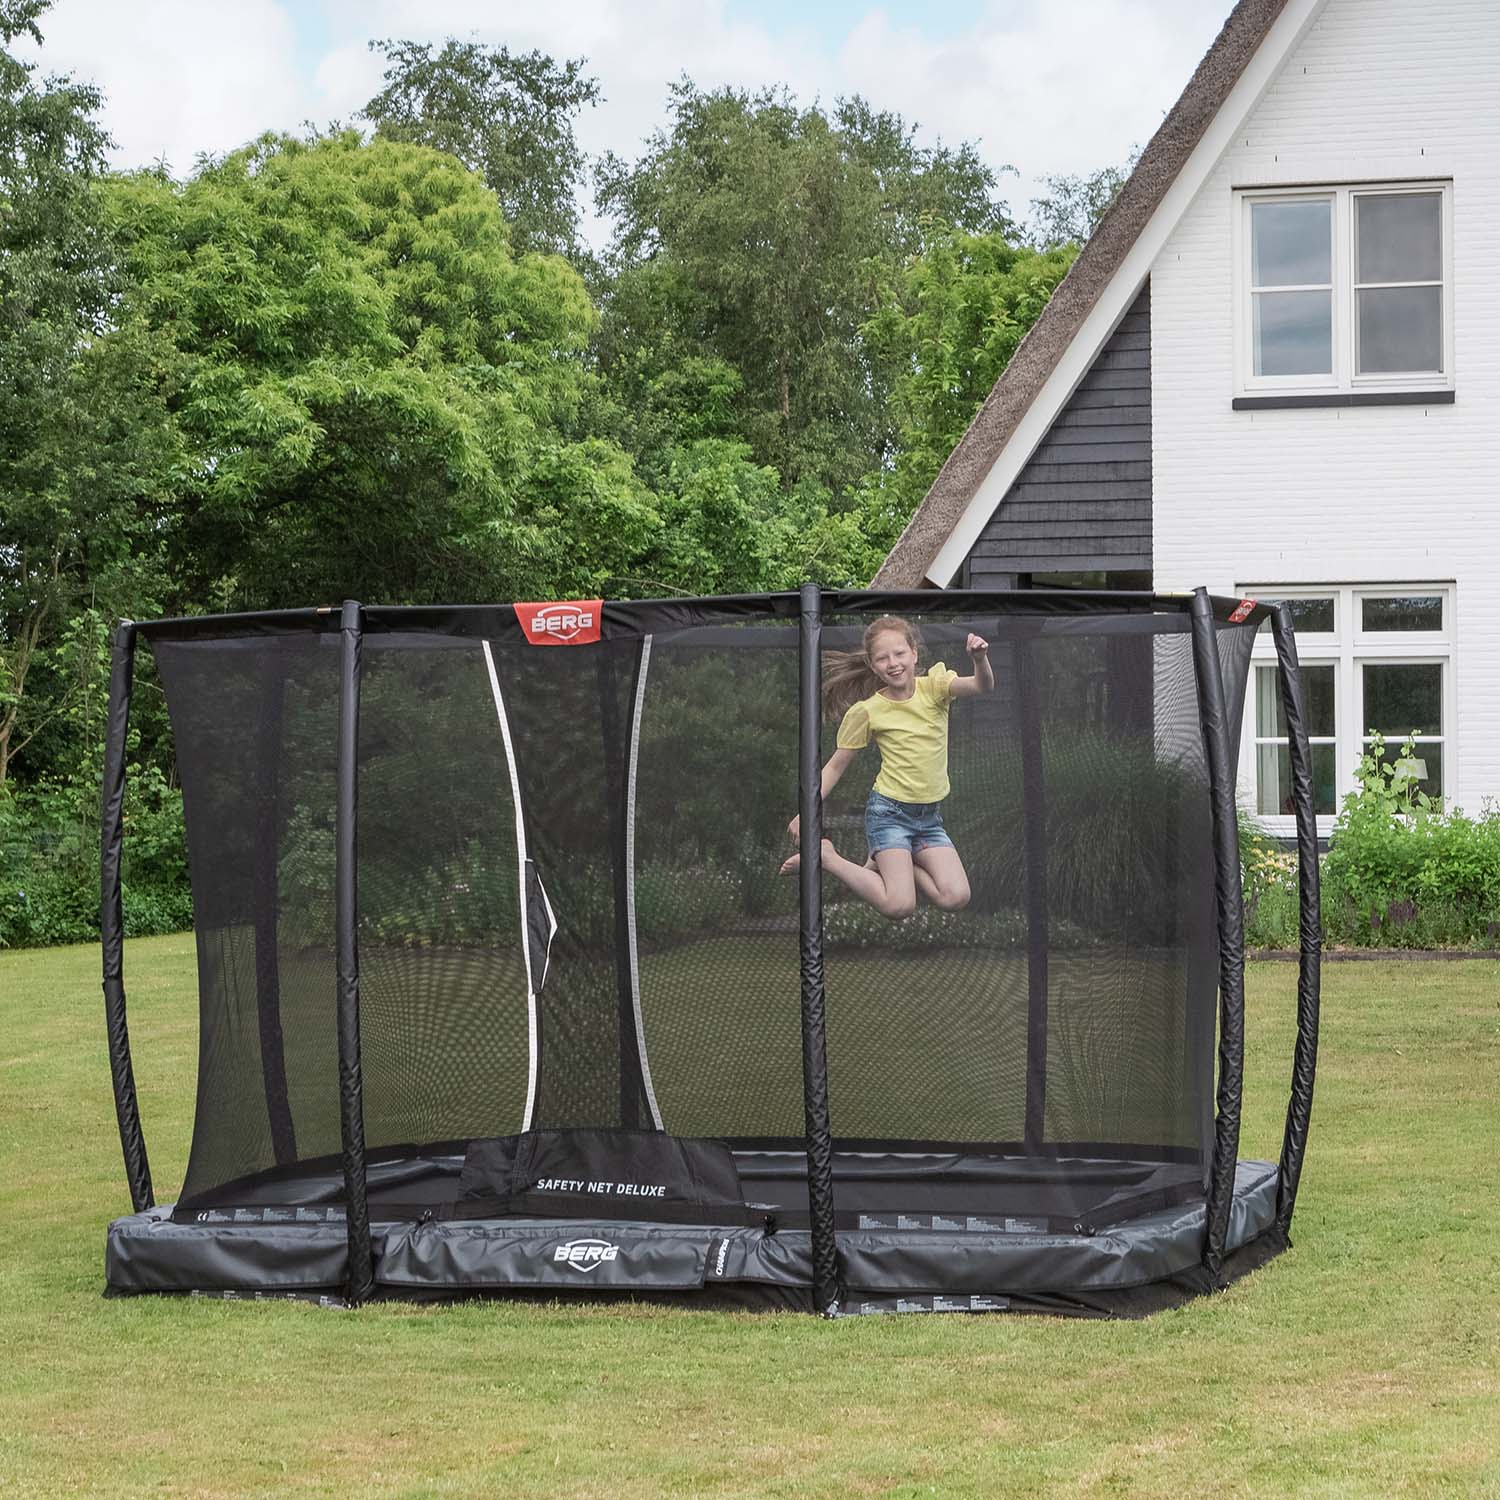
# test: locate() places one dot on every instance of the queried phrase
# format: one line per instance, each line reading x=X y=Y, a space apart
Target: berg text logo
x=571 y=622
x=584 y=1255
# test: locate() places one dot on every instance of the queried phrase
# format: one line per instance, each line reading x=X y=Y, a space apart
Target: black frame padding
x=112 y=917
x=820 y=1200
x=346 y=908
x=1229 y=901
x=1105 y=1039
x=1309 y=920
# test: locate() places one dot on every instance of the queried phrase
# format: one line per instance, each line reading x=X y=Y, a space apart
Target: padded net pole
x=814 y=1026
x=1309 y=920
x=112 y=918
x=346 y=914
x=1213 y=712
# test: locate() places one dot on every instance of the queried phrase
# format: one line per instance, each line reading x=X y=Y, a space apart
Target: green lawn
x=1365 y=1362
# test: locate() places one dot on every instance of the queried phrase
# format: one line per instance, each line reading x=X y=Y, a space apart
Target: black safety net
x=572 y=916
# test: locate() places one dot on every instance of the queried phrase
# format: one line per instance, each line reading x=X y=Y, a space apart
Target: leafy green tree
x=380 y=400
x=507 y=116
x=1070 y=209
x=756 y=234
x=950 y=320
x=84 y=445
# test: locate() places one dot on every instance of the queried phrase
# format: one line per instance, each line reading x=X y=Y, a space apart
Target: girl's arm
x=983 y=680
x=838 y=763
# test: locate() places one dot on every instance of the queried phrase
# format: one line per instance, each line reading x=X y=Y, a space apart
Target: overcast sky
x=1048 y=86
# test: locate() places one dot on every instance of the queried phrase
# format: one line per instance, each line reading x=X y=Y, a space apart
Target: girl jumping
x=880 y=695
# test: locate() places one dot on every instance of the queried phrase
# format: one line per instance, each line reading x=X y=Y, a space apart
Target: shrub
x=849 y=923
x=49 y=862
x=471 y=901
x=1401 y=871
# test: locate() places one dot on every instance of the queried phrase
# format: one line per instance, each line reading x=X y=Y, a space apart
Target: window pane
x=1429 y=759
x=1291 y=244
x=1274 y=780
x=1411 y=612
x=1310 y=616
x=1317 y=699
x=1293 y=333
x=1399 y=238
x=1400 y=328
x=1403 y=698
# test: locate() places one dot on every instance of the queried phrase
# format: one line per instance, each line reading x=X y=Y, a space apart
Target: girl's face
x=894 y=659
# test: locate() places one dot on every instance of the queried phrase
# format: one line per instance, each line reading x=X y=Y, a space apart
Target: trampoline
x=500 y=990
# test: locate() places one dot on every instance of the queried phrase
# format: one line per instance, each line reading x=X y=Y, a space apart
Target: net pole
x=112 y=917
x=1213 y=713
x=814 y=1027
x=346 y=913
x=1309 y=921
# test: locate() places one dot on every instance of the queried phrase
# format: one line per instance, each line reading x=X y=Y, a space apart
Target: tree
x=83 y=445
x=951 y=319
x=754 y=234
x=507 y=116
x=1070 y=210
x=380 y=400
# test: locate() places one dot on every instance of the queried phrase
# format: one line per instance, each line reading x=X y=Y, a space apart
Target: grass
x=1364 y=1363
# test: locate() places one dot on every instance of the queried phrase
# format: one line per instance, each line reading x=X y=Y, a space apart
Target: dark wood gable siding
x=1083 y=501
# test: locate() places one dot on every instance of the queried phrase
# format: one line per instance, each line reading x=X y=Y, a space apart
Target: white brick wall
x=1377 y=89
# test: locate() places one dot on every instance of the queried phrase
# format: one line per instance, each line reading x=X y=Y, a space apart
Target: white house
x=1275 y=370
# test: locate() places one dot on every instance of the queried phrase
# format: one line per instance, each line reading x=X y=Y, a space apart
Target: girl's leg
x=890 y=887
x=924 y=882
x=941 y=878
x=927 y=888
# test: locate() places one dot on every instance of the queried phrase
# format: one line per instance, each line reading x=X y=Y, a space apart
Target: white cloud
x=1046 y=86
x=180 y=77
x=345 y=80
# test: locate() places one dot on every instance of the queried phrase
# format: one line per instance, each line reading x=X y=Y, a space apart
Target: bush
x=49 y=862
x=1409 y=873
x=1401 y=871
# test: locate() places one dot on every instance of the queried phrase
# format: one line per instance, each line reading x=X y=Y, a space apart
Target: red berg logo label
x=584 y=1255
x=571 y=622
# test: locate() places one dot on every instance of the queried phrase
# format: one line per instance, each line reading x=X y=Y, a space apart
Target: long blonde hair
x=848 y=676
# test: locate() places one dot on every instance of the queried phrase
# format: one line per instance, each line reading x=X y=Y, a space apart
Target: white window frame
x=1395 y=738
x=1364 y=637
x=1250 y=764
x=1343 y=379
x=1349 y=649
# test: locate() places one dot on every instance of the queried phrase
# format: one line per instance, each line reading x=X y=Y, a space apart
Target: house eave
x=1092 y=297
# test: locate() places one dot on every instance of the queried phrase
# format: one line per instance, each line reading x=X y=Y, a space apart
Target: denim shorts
x=912 y=826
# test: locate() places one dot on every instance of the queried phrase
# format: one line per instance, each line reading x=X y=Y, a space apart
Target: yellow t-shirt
x=911 y=734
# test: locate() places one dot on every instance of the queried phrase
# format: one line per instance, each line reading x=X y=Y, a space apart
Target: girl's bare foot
x=795 y=862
